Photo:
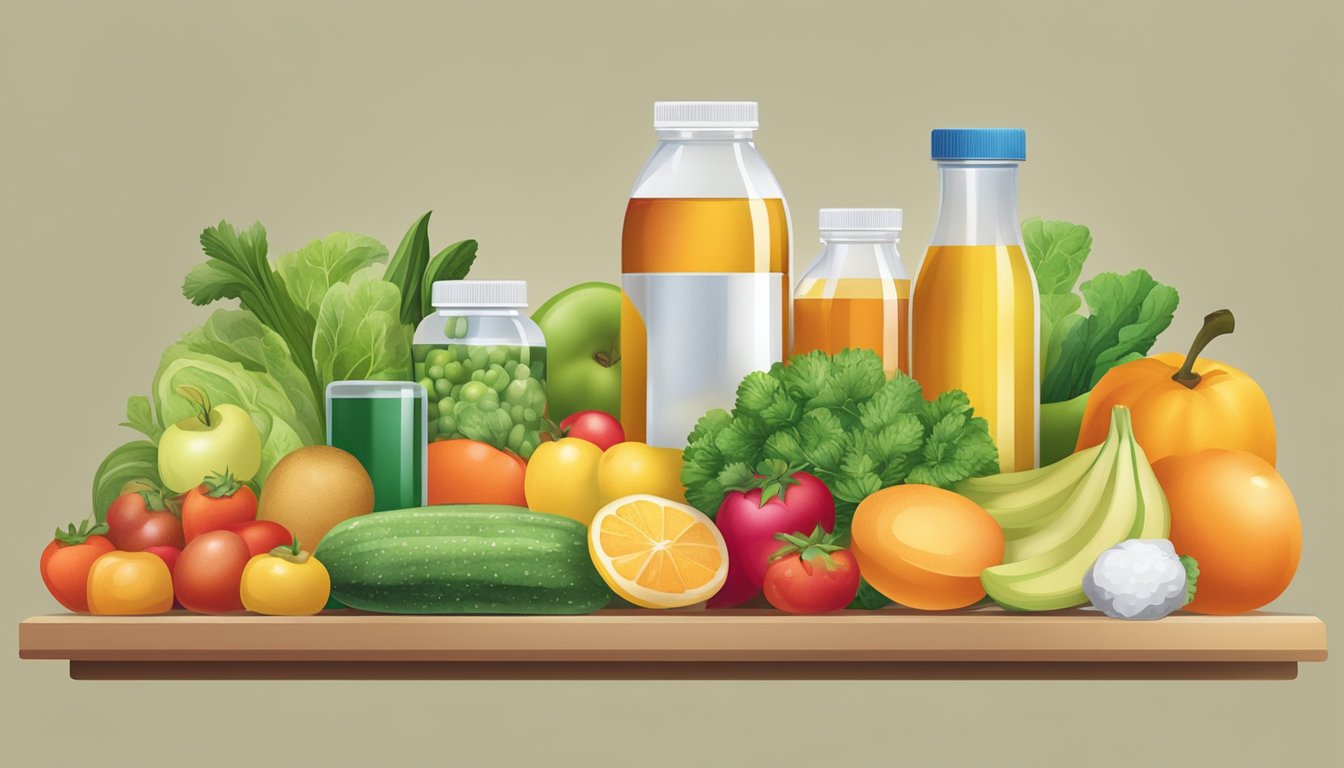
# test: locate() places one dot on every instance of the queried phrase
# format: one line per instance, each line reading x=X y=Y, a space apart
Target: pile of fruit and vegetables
x=828 y=486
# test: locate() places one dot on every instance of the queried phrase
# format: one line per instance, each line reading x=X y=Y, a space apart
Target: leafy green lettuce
x=839 y=418
x=360 y=335
x=1127 y=312
x=311 y=271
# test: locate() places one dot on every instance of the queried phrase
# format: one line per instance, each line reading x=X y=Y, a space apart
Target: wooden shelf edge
x=419 y=670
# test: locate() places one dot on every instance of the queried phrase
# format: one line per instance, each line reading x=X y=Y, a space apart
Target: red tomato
x=736 y=590
x=261 y=536
x=140 y=519
x=471 y=472
x=597 y=427
x=209 y=573
x=66 y=561
x=816 y=577
x=798 y=502
x=217 y=503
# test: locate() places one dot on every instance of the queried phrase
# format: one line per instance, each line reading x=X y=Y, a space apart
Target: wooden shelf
x=984 y=643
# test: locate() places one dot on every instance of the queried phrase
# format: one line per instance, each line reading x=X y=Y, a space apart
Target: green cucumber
x=470 y=558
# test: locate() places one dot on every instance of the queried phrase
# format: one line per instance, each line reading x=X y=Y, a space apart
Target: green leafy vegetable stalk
x=839 y=418
x=1127 y=312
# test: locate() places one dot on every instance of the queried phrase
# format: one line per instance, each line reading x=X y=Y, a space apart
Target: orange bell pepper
x=1182 y=405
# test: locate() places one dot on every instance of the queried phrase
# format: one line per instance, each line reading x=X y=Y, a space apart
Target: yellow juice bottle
x=857 y=293
x=704 y=271
x=975 y=308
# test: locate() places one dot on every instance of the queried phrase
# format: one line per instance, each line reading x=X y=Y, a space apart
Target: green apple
x=582 y=326
x=216 y=440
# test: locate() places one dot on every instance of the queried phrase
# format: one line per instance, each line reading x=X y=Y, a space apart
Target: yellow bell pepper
x=575 y=478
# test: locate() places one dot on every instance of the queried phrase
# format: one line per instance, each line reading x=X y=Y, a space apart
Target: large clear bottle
x=856 y=294
x=705 y=264
x=975 y=308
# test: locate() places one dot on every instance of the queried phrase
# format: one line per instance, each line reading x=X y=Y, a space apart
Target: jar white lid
x=860 y=220
x=479 y=293
x=672 y=115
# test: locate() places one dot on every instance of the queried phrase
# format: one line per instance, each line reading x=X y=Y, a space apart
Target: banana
x=1048 y=583
x=1155 y=522
x=1029 y=499
x=1076 y=519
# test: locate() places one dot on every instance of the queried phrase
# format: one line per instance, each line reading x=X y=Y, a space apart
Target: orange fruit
x=1233 y=513
x=657 y=553
x=924 y=547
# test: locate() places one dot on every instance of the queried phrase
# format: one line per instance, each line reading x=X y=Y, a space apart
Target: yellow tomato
x=562 y=479
x=631 y=468
x=285 y=582
x=129 y=584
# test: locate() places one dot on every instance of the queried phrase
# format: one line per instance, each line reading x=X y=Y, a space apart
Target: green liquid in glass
x=385 y=431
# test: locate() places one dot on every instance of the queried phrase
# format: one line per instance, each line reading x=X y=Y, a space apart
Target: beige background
x=1199 y=140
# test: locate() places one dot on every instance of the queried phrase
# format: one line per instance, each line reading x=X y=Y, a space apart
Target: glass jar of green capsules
x=482 y=362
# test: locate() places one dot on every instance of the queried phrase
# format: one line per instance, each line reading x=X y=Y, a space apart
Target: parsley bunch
x=841 y=419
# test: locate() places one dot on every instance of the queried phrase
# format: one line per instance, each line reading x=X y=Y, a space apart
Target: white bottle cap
x=672 y=115
x=480 y=293
x=860 y=220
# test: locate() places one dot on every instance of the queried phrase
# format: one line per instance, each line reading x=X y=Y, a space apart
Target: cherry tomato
x=219 y=502
x=285 y=582
x=261 y=536
x=66 y=562
x=209 y=571
x=811 y=575
x=597 y=427
x=141 y=519
x=129 y=584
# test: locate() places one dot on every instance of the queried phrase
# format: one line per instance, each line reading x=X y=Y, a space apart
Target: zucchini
x=470 y=558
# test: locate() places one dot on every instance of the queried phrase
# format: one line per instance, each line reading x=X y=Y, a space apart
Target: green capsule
x=435 y=371
x=438 y=356
x=419 y=352
x=442 y=387
x=523 y=371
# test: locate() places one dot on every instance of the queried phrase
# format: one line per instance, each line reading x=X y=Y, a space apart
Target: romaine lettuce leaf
x=1127 y=312
x=359 y=334
x=313 y=269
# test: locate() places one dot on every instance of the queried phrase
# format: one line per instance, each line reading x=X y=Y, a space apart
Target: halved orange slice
x=657 y=553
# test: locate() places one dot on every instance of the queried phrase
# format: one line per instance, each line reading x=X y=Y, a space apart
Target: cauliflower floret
x=1141 y=579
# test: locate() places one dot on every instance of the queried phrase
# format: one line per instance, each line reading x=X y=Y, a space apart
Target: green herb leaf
x=1191 y=577
x=868 y=598
x=312 y=270
x=452 y=263
x=237 y=269
x=839 y=419
x=1127 y=312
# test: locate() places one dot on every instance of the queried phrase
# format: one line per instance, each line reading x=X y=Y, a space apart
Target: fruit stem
x=291 y=552
x=1215 y=324
x=199 y=400
x=608 y=359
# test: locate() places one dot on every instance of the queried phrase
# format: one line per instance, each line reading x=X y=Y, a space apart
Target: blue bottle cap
x=979 y=144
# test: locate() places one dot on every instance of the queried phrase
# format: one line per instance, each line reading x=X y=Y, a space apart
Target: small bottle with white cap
x=856 y=294
x=482 y=362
